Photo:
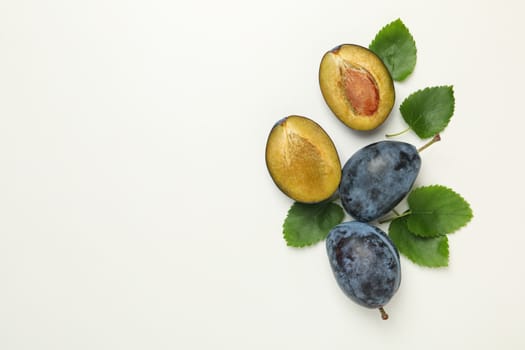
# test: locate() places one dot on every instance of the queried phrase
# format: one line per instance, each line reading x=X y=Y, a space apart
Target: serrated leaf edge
x=471 y=216
x=382 y=30
x=417 y=262
x=297 y=244
x=432 y=266
x=286 y=234
x=385 y=27
x=424 y=136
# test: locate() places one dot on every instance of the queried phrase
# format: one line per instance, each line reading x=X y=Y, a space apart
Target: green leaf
x=429 y=252
x=436 y=210
x=396 y=47
x=307 y=224
x=428 y=111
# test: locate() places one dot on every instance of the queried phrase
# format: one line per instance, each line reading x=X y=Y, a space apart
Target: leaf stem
x=384 y=315
x=398 y=133
x=406 y=213
x=435 y=139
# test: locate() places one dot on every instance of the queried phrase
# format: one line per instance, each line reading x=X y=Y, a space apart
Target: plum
x=365 y=263
x=356 y=86
x=377 y=177
x=302 y=160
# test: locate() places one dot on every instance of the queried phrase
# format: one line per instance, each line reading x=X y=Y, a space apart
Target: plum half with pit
x=356 y=86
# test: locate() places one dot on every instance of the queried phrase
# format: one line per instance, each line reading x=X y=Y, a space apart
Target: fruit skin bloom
x=365 y=263
x=377 y=177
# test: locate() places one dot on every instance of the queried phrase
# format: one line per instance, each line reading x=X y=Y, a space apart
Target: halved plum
x=302 y=160
x=357 y=86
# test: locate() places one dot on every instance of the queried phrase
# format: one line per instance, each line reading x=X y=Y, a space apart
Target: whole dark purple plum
x=365 y=263
x=377 y=177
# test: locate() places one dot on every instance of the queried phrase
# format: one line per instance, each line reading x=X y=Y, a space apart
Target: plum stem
x=435 y=139
x=398 y=133
x=406 y=213
x=384 y=315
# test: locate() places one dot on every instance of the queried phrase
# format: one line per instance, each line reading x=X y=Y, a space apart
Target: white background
x=136 y=211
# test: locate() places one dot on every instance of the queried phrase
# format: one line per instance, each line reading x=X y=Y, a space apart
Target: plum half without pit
x=302 y=160
x=357 y=86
